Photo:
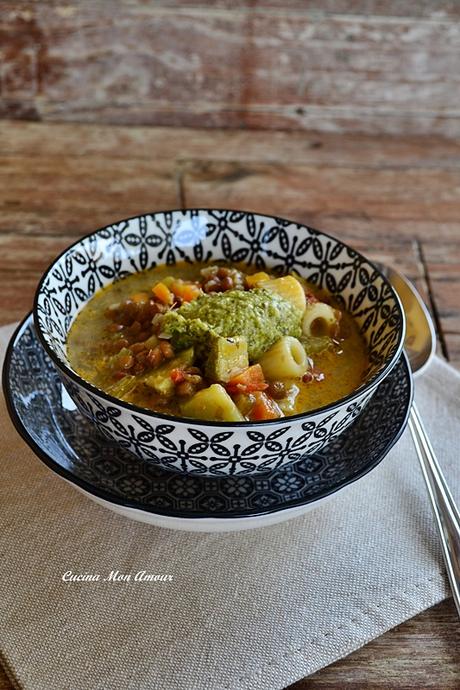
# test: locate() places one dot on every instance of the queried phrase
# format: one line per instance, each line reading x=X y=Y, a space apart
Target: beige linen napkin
x=247 y=610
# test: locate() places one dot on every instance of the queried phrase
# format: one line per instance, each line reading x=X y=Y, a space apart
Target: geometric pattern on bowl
x=143 y=242
x=68 y=443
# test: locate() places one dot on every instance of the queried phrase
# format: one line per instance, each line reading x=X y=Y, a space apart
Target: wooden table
x=397 y=199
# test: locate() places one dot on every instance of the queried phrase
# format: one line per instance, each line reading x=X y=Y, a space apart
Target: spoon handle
x=445 y=511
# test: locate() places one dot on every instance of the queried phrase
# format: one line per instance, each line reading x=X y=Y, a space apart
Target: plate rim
x=177 y=514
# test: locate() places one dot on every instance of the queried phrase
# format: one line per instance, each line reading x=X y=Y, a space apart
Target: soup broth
x=214 y=341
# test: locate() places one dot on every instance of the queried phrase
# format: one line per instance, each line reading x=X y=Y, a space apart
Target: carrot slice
x=163 y=293
x=140 y=298
x=186 y=291
x=264 y=407
x=255 y=278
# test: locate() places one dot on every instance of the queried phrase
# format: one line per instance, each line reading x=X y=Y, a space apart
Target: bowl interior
x=256 y=240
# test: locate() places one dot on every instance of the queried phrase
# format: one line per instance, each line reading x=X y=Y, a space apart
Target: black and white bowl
x=203 y=447
x=70 y=446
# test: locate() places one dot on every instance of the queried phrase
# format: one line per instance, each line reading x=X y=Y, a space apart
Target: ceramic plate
x=47 y=419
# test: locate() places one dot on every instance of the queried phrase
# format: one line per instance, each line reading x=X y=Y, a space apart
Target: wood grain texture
x=159 y=143
x=428 y=9
x=443 y=265
x=442 y=262
x=319 y=194
x=366 y=68
x=393 y=198
x=419 y=654
x=22 y=262
x=67 y=178
x=76 y=194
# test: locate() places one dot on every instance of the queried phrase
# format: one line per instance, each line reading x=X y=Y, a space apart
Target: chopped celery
x=122 y=388
x=151 y=342
x=315 y=344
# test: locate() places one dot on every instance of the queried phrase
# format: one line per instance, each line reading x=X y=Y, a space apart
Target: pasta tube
x=320 y=319
x=289 y=288
x=285 y=359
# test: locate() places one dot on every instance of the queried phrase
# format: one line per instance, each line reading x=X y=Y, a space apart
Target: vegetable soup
x=216 y=342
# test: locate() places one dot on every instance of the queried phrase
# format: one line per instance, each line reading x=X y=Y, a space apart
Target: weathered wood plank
x=29 y=255
x=353 y=226
x=317 y=194
x=80 y=194
x=385 y=8
x=230 y=67
x=22 y=263
x=53 y=166
x=443 y=266
x=17 y=295
x=19 y=138
x=121 y=171
x=421 y=653
x=429 y=9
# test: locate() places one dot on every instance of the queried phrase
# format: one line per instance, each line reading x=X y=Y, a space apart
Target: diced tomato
x=251 y=379
x=163 y=293
x=186 y=291
x=177 y=376
x=264 y=407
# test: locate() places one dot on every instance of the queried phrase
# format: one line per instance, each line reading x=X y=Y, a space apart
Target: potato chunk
x=227 y=357
x=289 y=288
x=214 y=404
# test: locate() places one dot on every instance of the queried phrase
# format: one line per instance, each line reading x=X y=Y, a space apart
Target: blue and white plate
x=69 y=444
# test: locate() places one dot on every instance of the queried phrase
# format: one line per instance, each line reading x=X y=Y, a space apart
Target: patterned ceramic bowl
x=201 y=447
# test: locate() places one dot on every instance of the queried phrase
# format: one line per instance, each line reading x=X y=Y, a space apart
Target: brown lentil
x=277 y=390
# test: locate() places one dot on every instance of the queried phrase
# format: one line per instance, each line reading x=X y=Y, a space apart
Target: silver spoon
x=420 y=346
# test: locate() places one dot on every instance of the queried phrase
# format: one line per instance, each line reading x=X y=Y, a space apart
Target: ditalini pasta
x=286 y=359
x=320 y=319
x=218 y=342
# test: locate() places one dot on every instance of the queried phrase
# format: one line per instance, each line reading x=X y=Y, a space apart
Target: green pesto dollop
x=260 y=316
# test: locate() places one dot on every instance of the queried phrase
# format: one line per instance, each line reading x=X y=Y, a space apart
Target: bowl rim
x=304 y=416
x=178 y=515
